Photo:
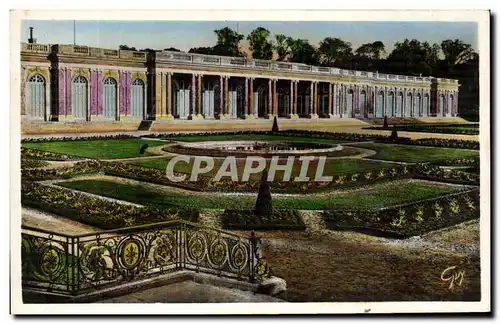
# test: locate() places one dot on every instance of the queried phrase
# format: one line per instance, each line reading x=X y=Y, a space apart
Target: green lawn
x=253 y=137
x=388 y=195
x=99 y=149
x=416 y=154
x=332 y=167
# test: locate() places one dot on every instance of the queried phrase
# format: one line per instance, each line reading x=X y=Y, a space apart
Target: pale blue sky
x=185 y=35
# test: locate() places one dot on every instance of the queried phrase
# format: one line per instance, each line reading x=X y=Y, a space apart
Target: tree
x=372 y=51
x=301 y=51
x=127 y=48
x=228 y=42
x=412 y=58
x=260 y=46
x=456 y=51
x=264 y=203
x=172 y=49
x=334 y=51
x=282 y=47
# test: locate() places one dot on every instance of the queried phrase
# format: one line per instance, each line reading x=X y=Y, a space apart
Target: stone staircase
x=145 y=125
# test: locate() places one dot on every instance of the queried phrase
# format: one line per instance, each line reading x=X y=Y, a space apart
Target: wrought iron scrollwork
x=78 y=263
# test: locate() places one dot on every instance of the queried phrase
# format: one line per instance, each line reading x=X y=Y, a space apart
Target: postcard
x=316 y=162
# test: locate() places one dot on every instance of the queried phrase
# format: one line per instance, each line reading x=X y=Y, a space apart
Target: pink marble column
x=246 y=96
x=221 y=103
x=270 y=98
x=192 y=109
x=311 y=103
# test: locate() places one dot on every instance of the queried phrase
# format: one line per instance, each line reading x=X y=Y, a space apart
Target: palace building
x=61 y=83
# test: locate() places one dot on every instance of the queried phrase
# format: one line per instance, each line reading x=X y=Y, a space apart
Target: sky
x=185 y=35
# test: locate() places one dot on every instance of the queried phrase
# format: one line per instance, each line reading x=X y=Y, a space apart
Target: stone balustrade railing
x=211 y=60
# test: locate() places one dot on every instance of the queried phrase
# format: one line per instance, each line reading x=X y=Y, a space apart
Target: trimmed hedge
x=411 y=219
x=32 y=164
x=436 y=173
x=435 y=128
x=75 y=139
x=80 y=168
x=28 y=153
x=458 y=162
x=348 y=137
x=434 y=142
x=207 y=184
x=246 y=219
x=97 y=212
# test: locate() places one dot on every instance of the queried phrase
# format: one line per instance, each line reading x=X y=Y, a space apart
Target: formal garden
x=385 y=187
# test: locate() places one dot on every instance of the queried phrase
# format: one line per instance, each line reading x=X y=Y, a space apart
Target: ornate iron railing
x=75 y=264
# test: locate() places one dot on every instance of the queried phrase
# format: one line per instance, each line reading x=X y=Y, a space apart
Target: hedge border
x=407 y=220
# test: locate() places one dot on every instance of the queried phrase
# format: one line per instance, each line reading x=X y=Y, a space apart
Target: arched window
x=425 y=105
x=441 y=105
x=349 y=103
x=389 y=105
x=379 y=106
x=36 y=96
x=79 y=97
x=362 y=103
x=399 y=105
x=137 y=98
x=110 y=98
x=409 y=104
x=418 y=105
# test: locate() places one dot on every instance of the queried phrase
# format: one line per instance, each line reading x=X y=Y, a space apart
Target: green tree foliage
x=301 y=51
x=228 y=42
x=282 y=47
x=334 y=51
x=261 y=47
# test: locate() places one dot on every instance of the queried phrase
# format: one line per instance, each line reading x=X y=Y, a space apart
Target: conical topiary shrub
x=264 y=205
x=386 y=125
x=275 y=125
x=394 y=133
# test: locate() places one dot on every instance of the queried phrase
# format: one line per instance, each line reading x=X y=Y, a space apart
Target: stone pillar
x=200 y=89
x=295 y=97
x=290 y=114
x=221 y=97
x=330 y=100
x=252 y=112
x=314 y=100
x=245 y=114
x=275 y=98
x=145 y=109
x=226 y=97
x=163 y=99
x=192 y=107
x=169 y=95
x=48 y=88
x=270 y=100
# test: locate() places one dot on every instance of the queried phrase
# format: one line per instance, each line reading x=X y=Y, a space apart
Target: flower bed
x=436 y=173
x=97 y=212
x=347 y=137
x=458 y=162
x=464 y=129
x=227 y=185
x=28 y=153
x=411 y=219
x=32 y=164
x=80 y=168
x=434 y=142
x=75 y=139
x=246 y=219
